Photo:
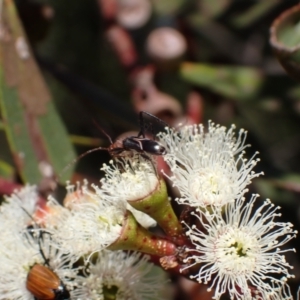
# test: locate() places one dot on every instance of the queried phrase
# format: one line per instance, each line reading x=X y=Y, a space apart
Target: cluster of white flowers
x=89 y=226
x=23 y=246
x=236 y=245
x=56 y=238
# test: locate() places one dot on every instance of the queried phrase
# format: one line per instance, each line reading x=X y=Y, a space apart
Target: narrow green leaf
x=212 y=8
x=86 y=141
x=280 y=194
x=258 y=10
x=57 y=142
x=1 y=126
x=290 y=182
x=34 y=130
x=17 y=133
x=6 y=170
x=240 y=83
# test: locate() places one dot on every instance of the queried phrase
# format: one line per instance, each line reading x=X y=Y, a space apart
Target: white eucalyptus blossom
x=239 y=248
x=129 y=180
x=208 y=168
x=21 y=253
x=122 y=276
x=89 y=226
x=17 y=258
x=16 y=210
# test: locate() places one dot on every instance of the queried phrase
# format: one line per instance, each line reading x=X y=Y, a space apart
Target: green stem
x=135 y=237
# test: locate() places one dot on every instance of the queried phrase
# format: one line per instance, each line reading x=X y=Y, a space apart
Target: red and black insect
x=42 y=282
x=139 y=143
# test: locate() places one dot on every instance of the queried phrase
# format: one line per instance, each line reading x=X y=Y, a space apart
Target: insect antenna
x=103 y=131
x=78 y=158
x=88 y=151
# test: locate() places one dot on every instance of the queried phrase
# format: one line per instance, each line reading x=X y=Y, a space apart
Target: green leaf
x=268 y=189
x=6 y=170
x=35 y=133
x=86 y=141
x=17 y=133
x=241 y=83
x=290 y=182
x=57 y=143
x=258 y=10
x=212 y=8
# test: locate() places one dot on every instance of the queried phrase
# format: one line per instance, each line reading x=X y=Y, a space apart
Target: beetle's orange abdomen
x=42 y=282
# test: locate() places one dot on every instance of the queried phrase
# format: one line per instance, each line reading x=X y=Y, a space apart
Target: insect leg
x=41 y=249
x=41 y=232
x=116 y=151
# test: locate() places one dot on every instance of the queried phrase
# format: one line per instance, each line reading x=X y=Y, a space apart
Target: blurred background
x=72 y=70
